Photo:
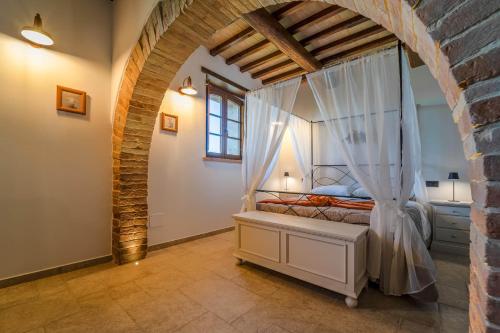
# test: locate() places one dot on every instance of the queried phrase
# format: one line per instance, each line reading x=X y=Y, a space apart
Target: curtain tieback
x=401 y=212
x=391 y=204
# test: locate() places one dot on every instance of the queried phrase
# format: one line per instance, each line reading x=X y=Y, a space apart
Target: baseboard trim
x=53 y=271
x=96 y=261
x=187 y=239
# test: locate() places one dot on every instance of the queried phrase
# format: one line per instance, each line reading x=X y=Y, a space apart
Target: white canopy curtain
x=300 y=131
x=411 y=127
x=267 y=115
x=359 y=102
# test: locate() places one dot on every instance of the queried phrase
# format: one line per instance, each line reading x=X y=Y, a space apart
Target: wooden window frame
x=225 y=96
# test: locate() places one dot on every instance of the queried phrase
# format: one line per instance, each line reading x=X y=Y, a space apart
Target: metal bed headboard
x=332 y=174
x=321 y=175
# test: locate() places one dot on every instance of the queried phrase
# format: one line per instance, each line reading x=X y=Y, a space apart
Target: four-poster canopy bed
x=352 y=206
x=380 y=149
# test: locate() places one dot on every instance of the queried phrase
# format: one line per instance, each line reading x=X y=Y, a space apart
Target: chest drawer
x=450 y=235
x=448 y=210
x=453 y=222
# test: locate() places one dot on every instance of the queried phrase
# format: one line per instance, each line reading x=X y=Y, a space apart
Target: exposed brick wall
x=173 y=31
x=457 y=39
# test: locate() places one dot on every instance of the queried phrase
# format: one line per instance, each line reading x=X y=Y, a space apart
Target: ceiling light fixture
x=36 y=35
x=187 y=87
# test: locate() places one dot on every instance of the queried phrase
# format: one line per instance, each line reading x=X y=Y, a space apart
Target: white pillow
x=360 y=192
x=342 y=190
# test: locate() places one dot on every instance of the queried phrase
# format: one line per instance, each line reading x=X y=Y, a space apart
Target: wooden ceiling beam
x=324 y=48
x=347 y=40
x=249 y=32
x=287 y=9
x=251 y=50
x=355 y=51
x=256 y=63
x=316 y=18
x=284 y=76
x=347 y=24
x=272 y=69
x=342 y=56
x=267 y=26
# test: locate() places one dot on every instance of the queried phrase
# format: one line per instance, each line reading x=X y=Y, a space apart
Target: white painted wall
x=425 y=88
x=286 y=163
x=129 y=18
x=187 y=195
x=442 y=153
x=442 y=149
x=55 y=167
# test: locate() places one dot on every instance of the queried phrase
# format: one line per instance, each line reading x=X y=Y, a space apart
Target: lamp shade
x=36 y=35
x=187 y=87
x=453 y=175
x=286 y=174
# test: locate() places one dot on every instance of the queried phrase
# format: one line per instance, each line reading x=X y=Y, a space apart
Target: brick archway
x=456 y=39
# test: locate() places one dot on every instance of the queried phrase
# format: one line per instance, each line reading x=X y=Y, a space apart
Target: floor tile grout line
x=224 y=272
x=189 y=322
x=65 y=316
x=137 y=325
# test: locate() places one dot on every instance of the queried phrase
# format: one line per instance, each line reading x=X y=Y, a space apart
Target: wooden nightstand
x=451 y=224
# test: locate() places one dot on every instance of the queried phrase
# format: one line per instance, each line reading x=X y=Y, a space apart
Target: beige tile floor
x=197 y=287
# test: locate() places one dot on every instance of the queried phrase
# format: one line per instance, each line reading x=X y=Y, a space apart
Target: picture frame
x=71 y=100
x=169 y=122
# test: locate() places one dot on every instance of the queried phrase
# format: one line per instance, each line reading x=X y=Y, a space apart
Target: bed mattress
x=337 y=214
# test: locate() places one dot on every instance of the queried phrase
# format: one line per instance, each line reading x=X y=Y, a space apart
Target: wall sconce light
x=187 y=87
x=36 y=35
x=286 y=175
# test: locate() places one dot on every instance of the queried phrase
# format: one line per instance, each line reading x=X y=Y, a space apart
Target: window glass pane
x=215 y=104
x=214 y=124
x=233 y=147
x=214 y=144
x=233 y=110
x=233 y=129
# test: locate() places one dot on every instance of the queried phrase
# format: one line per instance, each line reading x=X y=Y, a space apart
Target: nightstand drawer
x=453 y=222
x=450 y=235
x=448 y=210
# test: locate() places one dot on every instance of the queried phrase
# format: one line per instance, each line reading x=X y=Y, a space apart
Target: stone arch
x=456 y=39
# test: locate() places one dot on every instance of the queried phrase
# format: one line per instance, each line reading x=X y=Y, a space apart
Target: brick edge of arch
x=459 y=46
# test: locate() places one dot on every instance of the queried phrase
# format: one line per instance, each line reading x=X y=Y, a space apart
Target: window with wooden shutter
x=224 y=124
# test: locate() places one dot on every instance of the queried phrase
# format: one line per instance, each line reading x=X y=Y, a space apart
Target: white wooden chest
x=329 y=254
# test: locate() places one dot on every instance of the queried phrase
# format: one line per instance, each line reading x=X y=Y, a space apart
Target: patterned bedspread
x=337 y=214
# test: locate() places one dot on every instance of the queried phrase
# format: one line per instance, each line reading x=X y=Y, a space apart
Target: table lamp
x=453 y=176
x=286 y=174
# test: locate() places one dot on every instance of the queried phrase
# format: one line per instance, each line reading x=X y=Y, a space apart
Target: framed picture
x=71 y=100
x=169 y=122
